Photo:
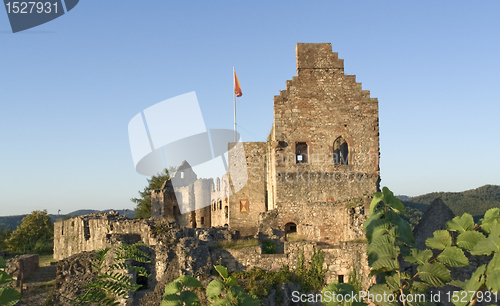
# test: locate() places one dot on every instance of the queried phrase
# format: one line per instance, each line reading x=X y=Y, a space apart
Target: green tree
x=4 y=235
x=35 y=234
x=143 y=209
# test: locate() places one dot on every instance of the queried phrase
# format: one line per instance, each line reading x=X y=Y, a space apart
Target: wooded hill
x=475 y=201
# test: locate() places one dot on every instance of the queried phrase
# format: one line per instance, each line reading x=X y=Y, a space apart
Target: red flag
x=237 y=88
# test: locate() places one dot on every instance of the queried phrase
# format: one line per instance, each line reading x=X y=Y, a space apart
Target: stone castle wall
x=98 y=231
x=340 y=261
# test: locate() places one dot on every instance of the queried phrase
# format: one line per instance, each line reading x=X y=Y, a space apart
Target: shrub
x=268 y=247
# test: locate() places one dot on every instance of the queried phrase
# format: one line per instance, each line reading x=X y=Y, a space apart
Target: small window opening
x=301 y=152
x=341 y=278
x=340 y=151
x=226 y=211
x=86 y=230
x=220 y=204
x=182 y=174
x=62 y=228
x=202 y=220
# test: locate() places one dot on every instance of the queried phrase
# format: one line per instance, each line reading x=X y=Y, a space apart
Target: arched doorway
x=290 y=230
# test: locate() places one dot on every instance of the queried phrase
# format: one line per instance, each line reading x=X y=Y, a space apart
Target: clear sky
x=68 y=88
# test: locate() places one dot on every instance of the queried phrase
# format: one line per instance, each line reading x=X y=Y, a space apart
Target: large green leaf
x=385 y=265
x=2 y=263
x=215 y=288
x=377 y=197
x=393 y=281
x=376 y=216
x=377 y=228
x=434 y=274
x=5 y=278
x=469 y=239
x=490 y=244
x=382 y=290
x=461 y=224
x=441 y=240
x=453 y=257
x=221 y=302
x=171 y=300
x=222 y=271
x=173 y=288
x=404 y=232
x=489 y=217
x=190 y=298
x=392 y=201
x=375 y=243
x=418 y=257
x=189 y=281
x=9 y=296
x=493 y=273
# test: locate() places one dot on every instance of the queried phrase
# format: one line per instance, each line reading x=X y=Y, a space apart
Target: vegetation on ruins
x=219 y=292
x=114 y=281
x=34 y=235
x=8 y=295
x=235 y=244
x=143 y=209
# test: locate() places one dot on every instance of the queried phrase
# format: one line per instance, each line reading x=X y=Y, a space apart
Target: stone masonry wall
x=340 y=261
x=318 y=106
x=246 y=205
x=98 y=231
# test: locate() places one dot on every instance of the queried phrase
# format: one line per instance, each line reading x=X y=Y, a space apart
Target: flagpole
x=234 y=103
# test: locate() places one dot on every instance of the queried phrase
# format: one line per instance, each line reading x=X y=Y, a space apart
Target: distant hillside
x=14 y=221
x=475 y=201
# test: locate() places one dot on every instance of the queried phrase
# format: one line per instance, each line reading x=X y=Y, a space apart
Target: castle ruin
x=312 y=177
x=309 y=186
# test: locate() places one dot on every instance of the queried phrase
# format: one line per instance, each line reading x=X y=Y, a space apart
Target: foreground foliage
x=391 y=242
x=219 y=292
x=114 y=282
x=8 y=295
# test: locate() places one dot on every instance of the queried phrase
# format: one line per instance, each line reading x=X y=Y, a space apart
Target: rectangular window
x=301 y=152
x=244 y=206
x=202 y=220
x=341 y=278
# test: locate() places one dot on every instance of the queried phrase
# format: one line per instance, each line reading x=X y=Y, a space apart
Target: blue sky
x=68 y=88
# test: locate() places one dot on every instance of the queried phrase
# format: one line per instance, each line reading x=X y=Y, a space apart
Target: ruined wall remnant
x=98 y=231
x=22 y=266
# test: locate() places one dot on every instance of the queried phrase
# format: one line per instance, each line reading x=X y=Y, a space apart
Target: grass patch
x=45 y=260
x=360 y=240
x=235 y=244
x=295 y=238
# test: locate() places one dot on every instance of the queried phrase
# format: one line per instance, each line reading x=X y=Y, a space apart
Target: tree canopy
x=35 y=234
x=143 y=209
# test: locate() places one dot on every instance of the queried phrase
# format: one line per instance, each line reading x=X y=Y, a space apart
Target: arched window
x=340 y=151
x=220 y=204
x=226 y=211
